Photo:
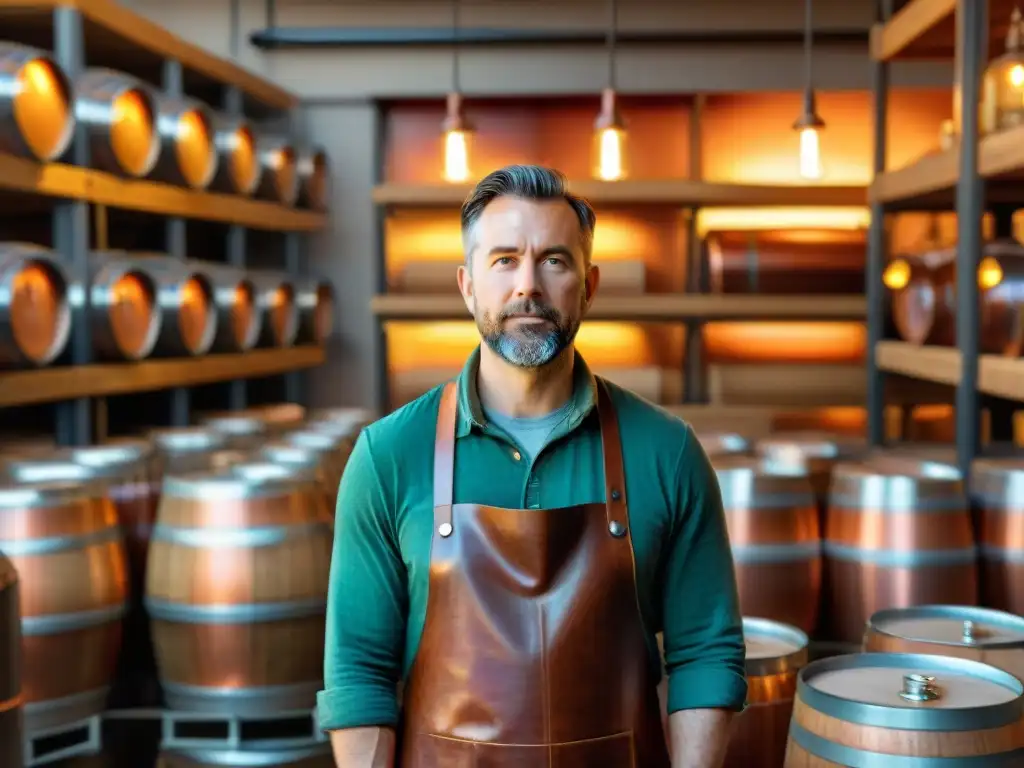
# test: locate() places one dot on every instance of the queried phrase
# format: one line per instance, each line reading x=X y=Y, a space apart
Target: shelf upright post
x=177 y=242
x=237 y=389
x=380 y=261
x=874 y=290
x=972 y=43
x=694 y=369
x=294 y=265
x=73 y=418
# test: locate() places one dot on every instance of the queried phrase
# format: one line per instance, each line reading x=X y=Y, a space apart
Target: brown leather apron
x=533 y=652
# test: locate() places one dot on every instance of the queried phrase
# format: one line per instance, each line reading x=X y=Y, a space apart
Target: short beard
x=528 y=347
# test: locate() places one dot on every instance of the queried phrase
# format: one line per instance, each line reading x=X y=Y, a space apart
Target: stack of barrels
x=187 y=569
x=881 y=554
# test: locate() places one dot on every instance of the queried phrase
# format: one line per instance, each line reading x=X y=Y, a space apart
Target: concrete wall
x=339 y=87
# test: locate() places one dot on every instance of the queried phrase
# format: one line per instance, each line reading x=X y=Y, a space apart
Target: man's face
x=528 y=286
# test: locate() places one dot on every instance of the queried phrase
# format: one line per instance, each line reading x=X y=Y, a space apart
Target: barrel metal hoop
x=53 y=544
x=90 y=731
x=775 y=553
x=1002 y=555
x=305 y=733
x=59 y=623
x=211 y=538
x=875 y=505
x=840 y=754
x=234 y=613
x=986 y=618
x=888 y=558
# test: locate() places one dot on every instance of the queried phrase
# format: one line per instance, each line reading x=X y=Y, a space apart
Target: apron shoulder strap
x=614 y=473
x=444 y=452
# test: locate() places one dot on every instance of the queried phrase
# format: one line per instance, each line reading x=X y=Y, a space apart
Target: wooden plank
x=648 y=307
x=999 y=376
x=62 y=383
x=907 y=25
x=68 y=181
x=681 y=192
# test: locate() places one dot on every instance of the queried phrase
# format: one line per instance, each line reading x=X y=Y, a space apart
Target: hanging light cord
x=808 y=42
x=613 y=20
x=456 y=80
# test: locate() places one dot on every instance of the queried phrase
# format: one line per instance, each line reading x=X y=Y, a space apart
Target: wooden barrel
x=235 y=302
x=279 y=417
x=775 y=655
x=185 y=296
x=318 y=756
x=776 y=544
x=184 y=449
x=276 y=301
x=119 y=116
x=10 y=666
x=188 y=156
x=998 y=497
x=36 y=101
x=981 y=634
x=125 y=318
x=314 y=300
x=333 y=448
x=313 y=171
x=35 y=316
x=279 y=177
x=64 y=539
x=310 y=461
x=900 y=709
x=231 y=635
x=243 y=432
x=723 y=443
x=786 y=261
x=238 y=166
x=898 y=535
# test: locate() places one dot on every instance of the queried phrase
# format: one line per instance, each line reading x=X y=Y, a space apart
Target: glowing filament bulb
x=810 y=154
x=610 y=154
x=456 y=156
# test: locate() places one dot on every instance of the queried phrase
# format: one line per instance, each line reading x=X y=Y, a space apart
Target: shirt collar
x=471 y=412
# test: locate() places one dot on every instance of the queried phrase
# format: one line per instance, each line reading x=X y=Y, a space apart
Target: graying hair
x=530 y=182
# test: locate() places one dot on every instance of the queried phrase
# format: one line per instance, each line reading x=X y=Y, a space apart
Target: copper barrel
x=10 y=666
x=35 y=316
x=120 y=117
x=188 y=156
x=238 y=163
x=981 y=634
x=186 y=300
x=776 y=544
x=238 y=316
x=898 y=535
x=305 y=460
x=723 y=443
x=125 y=317
x=37 y=117
x=332 y=448
x=64 y=539
x=998 y=492
x=775 y=655
x=313 y=172
x=318 y=756
x=280 y=324
x=786 y=261
x=314 y=300
x=279 y=175
x=231 y=634
x=243 y=432
x=184 y=449
x=883 y=710
x=279 y=417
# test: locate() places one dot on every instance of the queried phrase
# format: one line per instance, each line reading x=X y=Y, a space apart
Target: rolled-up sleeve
x=703 y=627
x=366 y=602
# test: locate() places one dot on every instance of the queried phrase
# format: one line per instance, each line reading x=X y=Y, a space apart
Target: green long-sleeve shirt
x=379 y=572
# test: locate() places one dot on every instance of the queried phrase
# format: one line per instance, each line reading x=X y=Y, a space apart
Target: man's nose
x=526 y=279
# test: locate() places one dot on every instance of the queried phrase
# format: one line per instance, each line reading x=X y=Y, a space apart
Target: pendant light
x=456 y=129
x=809 y=123
x=609 y=149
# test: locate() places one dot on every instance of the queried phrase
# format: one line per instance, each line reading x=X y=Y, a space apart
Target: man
x=508 y=545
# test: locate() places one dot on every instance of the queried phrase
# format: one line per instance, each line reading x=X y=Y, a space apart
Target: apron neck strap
x=614 y=474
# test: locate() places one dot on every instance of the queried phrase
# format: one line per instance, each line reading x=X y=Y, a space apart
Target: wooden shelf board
x=24 y=387
x=648 y=307
x=666 y=192
x=71 y=182
x=931 y=181
x=109 y=24
x=926 y=29
x=999 y=376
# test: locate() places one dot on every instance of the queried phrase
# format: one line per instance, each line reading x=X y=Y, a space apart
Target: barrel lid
x=236 y=424
x=912 y=692
x=773 y=647
x=999 y=480
x=227 y=484
x=261 y=471
x=315 y=441
x=290 y=454
x=359 y=416
x=339 y=429
x=55 y=467
x=112 y=457
x=278 y=413
x=748 y=481
x=809 y=445
x=960 y=625
x=226 y=459
x=20 y=494
x=898 y=483
x=188 y=439
x=722 y=443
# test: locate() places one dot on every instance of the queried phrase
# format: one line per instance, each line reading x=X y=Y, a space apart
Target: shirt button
x=516 y=455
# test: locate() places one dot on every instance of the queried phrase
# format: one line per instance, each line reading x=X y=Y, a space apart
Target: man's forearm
x=364 y=747
x=699 y=737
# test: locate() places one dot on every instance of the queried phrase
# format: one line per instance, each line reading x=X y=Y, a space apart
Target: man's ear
x=465 y=280
x=591 y=282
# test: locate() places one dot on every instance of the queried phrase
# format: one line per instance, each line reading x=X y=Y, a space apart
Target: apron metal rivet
x=616 y=495
x=617 y=529
x=445 y=529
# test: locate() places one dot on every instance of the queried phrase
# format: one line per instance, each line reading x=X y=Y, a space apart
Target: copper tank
x=10 y=666
x=924 y=311
x=776 y=545
x=898 y=535
x=120 y=118
x=279 y=175
x=786 y=261
x=280 y=324
x=231 y=635
x=314 y=300
x=880 y=708
x=36 y=104
x=35 y=316
x=238 y=165
x=313 y=172
x=998 y=491
x=981 y=634
x=65 y=541
x=125 y=316
x=188 y=156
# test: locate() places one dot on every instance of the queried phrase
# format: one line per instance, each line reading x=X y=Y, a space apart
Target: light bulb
x=810 y=154
x=1016 y=75
x=990 y=273
x=897 y=275
x=611 y=154
x=456 y=156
